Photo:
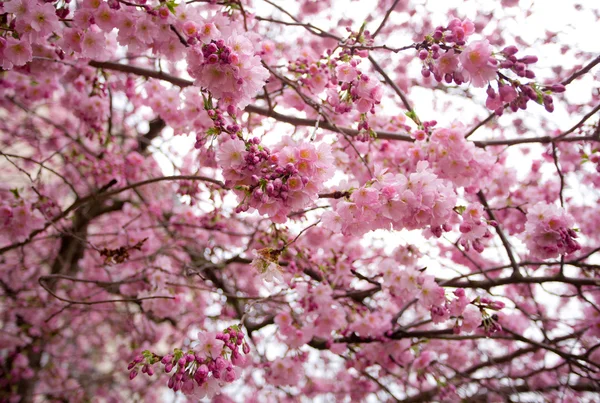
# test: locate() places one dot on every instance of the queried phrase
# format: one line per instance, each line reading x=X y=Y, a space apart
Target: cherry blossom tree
x=260 y=201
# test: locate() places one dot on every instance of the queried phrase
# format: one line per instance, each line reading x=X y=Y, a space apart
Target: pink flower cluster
x=517 y=94
x=478 y=62
x=452 y=156
x=203 y=371
x=229 y=69
x=18 y=220
x=357 y=89
x=408 y=283
x=469 y=316
x=285 y=371
x=473 y=229
x=319 y=316
x=446 y=55
x=32 y=21
x=370 y=324
x=275 y=182
x=548 y=231
x=16 y=367
x=314 y=76
x=219 y=58
x=416 y=201
x=474 y=63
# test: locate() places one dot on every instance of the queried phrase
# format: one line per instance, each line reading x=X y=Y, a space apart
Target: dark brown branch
x=487 y=284
x=581 y=72
x=385 y=18
x=42 y=282
x=503 y=238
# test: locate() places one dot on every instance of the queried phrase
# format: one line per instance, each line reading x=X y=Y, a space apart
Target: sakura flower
x=93 y=45
x=284 y=371
x=16 y=52
x=475 y=59
x=447 y=63
x=20 y=8
x=332 y=221
x=423 y=360
x=105 y=17
x=43 y=19
x=230 y=153
x=345 y=72
x=548 y=231
x=471 y=319
x=208 y=345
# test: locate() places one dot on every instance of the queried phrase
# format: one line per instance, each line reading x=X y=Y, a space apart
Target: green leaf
x=171 y=6
x=460 y=209
x=213 y=131
x=15 y=191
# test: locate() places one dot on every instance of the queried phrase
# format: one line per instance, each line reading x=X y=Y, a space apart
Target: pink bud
x=529 y=59
x=510 y=50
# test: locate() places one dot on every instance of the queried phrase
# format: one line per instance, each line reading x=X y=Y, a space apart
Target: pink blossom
x=471 y=319
x=548 y=231
x=93 y=45
x=423 y=360
x=105 y=18
x=208 y=345
x=17 y=52
x=345 y=72
x=475 y=59
x=230 y=153
x=447 y=63
x=20 y=8
x=43 y=19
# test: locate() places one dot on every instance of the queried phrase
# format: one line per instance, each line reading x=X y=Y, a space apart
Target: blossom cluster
x=474 y=228
x=18 y=219
x=356 y=88
x=219 y=58
x=548 y=231
x=347 y=88
x=396 y=201
x=229 y=69
x=451 y=155
x=275 y=182
x=319 y=316
x=202 y=371
x=447 y=56
x=285 y=371
x=408 y=283
x=514 y=93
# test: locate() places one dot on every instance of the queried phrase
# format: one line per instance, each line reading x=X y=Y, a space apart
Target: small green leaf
x=213 y=131
x=171 y=6
x=460 y=209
